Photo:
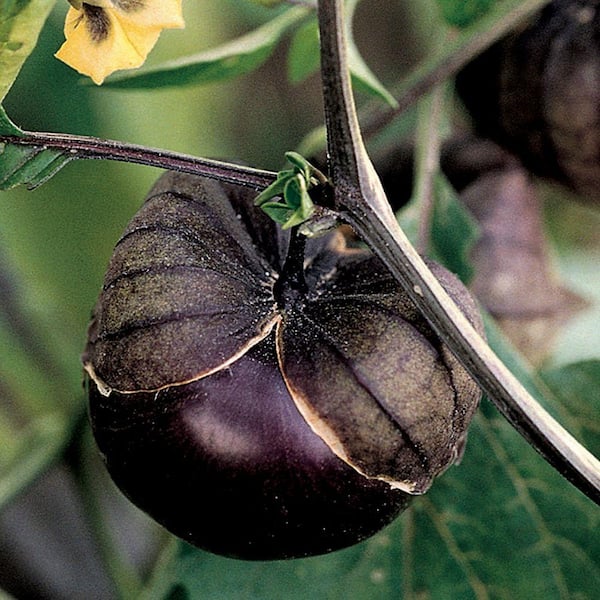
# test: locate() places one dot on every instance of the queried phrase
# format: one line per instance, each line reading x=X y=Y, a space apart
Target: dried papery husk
x=373 y=379
x=197 y=323
x=514 y=274
x=537 y=92
x=185 y=293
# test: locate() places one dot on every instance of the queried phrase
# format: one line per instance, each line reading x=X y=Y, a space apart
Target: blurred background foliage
x=68 y=533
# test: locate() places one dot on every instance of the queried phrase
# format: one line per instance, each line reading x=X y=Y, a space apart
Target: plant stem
x=291 y=283
x=361 y=201
x=427 y=161
x=85 y=147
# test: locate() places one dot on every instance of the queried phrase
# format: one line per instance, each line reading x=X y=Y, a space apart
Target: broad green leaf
x=576 y=386
x=510 y=526
x=20 y=24
x=461 y=13
x=303 y=57
x=240 y=56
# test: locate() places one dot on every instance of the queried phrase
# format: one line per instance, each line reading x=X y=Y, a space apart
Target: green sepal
x=300 y=164
x=292 y=185
x=275 y=189
x=278 y=211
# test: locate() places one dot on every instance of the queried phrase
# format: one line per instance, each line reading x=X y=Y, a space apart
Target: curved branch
x=361 y=200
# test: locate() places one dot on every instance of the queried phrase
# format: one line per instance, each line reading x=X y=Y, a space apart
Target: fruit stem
x=291 y=284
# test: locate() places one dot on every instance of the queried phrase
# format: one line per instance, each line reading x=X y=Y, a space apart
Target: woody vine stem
x=361 y=201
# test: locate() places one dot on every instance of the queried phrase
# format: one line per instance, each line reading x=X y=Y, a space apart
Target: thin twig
x=361 y=200
x=85 y=147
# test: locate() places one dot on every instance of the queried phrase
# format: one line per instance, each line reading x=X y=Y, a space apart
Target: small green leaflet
x=29 y=165
x=292 y=185
x=234 y=58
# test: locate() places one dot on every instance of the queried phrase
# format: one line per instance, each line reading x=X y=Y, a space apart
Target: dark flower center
x=97 y=22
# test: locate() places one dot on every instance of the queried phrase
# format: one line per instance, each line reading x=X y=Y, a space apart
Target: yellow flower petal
x=101 y=40
x=166 y=14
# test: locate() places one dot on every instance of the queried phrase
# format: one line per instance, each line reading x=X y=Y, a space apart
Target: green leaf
x=293 y=191
x=510 y=526
x=303 y=56
x=7 y=127
x=293 y=185
x=26 y=164
x=364 y=79
x=462 y=13
x=362 y=76
x=454 y=232
x=20 y=24
x=238 y=57
x=300 y=165
x=278 y=212
x=275 y=189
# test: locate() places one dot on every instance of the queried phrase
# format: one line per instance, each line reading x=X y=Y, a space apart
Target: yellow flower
x=103 y=36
